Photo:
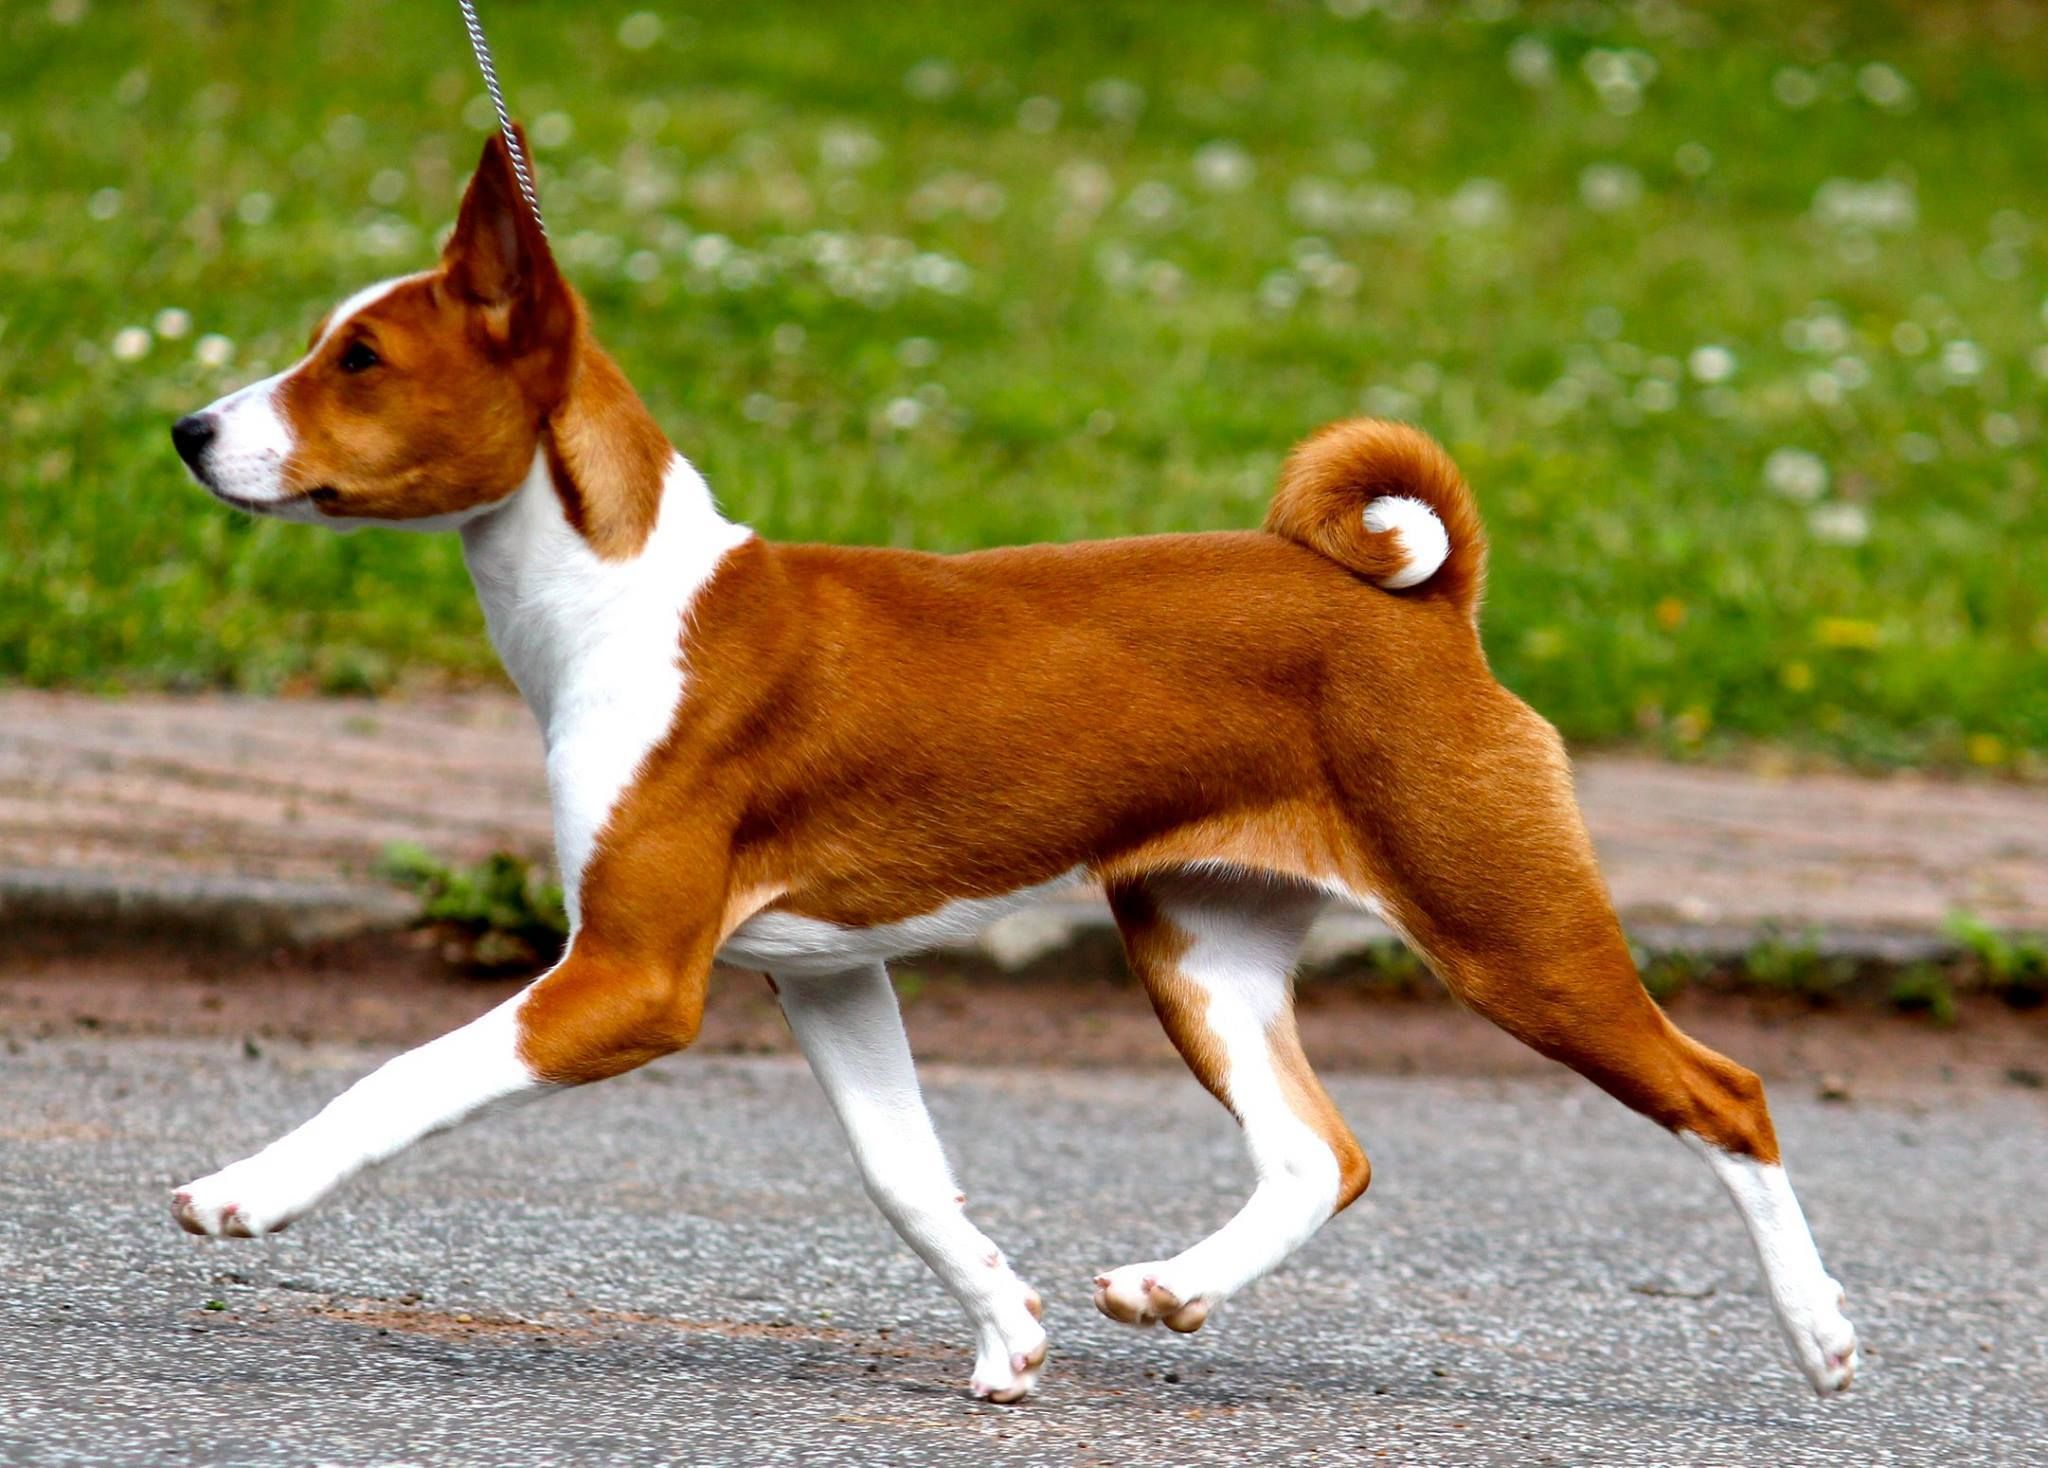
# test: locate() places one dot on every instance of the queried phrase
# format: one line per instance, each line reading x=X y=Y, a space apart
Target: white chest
x=596 y=646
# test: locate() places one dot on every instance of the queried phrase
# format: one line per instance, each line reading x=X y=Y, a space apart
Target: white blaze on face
x=245 y=462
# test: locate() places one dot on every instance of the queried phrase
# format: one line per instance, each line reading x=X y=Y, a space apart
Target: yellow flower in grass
x=1985 y=749
x=1847 y=632
x=1670 y=613
x=1796 y=676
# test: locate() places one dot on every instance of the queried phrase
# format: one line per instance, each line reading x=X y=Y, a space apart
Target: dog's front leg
x=597 y=1013
x=850 y=1029
x=412 y=1096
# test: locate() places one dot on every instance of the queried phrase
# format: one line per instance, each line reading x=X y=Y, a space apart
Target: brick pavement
x=218 y=791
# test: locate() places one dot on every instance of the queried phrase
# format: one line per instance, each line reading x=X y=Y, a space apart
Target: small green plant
x=1666 y=975
x=2014 y=966
x=500 y=913
x=1922 y=988
x=1795 y=966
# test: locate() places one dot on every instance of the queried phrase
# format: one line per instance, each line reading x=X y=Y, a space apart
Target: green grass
x=957 y=275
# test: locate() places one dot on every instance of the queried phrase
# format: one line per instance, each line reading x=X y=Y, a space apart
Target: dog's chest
x=596 y=646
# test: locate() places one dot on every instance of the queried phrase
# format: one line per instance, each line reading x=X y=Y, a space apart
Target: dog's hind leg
x=850 y=1030
x=1495 y=881
x=1215 y=954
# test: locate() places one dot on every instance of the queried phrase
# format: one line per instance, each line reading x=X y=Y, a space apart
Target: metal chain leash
x=478 y=44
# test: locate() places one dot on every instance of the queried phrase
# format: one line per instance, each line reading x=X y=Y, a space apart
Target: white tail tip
x=1423 y=540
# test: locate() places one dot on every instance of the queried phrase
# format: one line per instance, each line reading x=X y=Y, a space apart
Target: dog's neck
x=579 y=630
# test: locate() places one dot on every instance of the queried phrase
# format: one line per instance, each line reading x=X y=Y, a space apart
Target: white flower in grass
x=1711 y=363
x=213 y=350
x=639 y=30
x=940 y=273
x=1885 y=86
x=1531 y=62
x=709 y=251
x=1086 y=185
x=254 y=207
x=842 y=148
x=345 y=130
x=172 y=323
x=1388 y=401
x=1608 y=188
x=2001 y=430
x=1038 y=114
x=1797 y=474
x=1153 y=202
x=1795 y=87
x=647 y=117
x=1918 y=448
x=1962 y=361
x=1115 y=100
x=104 y=204
x=1280 y=290
x=131 y=343
x=1886 y=205
x=1479 y=203
x=1223 y=167
x=931 y=80
x=552 y=129
x=1839 y=523
x=903 y=414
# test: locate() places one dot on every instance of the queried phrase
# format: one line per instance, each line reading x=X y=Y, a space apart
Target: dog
x=809 y=760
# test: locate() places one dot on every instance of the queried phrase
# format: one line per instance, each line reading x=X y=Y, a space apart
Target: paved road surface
x=679 y=1267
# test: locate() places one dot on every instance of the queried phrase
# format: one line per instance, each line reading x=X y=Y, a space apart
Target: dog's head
x=420 y=401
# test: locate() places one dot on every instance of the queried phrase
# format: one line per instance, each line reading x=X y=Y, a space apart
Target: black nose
x=192 y=433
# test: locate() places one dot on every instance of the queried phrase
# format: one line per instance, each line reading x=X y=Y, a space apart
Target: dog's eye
x=359 y=358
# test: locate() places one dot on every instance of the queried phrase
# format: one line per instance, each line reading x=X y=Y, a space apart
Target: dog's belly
x=785 y=943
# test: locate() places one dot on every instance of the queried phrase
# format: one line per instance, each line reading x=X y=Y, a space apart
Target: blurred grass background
x=1736 y=315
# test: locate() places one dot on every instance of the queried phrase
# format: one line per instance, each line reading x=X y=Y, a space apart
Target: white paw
x=1823 y=1340
x=1145 y=1294
x=252 y=1197
x=1011 y=1351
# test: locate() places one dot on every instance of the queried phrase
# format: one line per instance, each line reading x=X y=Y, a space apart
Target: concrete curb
x=69 y=910
x=1076 y=934
x=88 y=910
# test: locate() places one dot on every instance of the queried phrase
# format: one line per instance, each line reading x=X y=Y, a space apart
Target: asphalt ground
x=680 y=1266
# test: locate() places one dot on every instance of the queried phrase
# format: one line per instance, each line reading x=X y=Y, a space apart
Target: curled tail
x=1384 y=501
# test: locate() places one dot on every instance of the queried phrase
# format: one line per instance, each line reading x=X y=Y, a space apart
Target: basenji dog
x=809 y=760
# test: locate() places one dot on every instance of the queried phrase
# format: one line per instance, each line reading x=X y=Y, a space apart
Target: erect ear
x=498 y=258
